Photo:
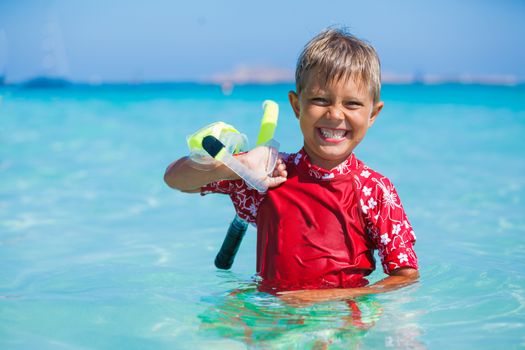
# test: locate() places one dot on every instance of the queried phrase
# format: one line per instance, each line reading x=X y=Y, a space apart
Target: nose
x=335 y=112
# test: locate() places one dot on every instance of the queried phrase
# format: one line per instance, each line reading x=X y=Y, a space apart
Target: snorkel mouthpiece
x=212 y=145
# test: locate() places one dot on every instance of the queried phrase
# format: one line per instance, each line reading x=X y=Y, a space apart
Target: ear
x=375 y=112
x=294 y=102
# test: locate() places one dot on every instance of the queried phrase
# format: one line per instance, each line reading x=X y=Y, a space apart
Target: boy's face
x=334 y=118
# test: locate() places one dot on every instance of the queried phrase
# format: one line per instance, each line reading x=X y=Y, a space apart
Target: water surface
x=98 y=253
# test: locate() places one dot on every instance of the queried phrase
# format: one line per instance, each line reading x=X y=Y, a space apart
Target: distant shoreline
x=60 y=83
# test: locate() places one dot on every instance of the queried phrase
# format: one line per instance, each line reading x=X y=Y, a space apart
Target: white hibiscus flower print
x=364 y=207
x=344 y=168
x=384 y=239
x=253 y=209
x=390 y=200
x=297 y=158
x=396 y=229
x=402 y=258
x=367 y=191
x=365 y=174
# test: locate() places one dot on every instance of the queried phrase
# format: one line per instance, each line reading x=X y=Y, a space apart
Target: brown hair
x=337 y=54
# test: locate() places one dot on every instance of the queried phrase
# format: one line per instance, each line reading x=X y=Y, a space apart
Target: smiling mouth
x=332 y=135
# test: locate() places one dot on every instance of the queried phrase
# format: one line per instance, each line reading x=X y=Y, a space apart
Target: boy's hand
x=398 y=278
x=189 y=176
x=257 y=160
x=306 y=297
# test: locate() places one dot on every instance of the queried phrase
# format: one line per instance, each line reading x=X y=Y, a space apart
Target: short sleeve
x=246 y=200
x=388 y=224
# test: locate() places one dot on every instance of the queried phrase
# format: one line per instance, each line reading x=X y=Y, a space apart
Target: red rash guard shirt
x=319 y=229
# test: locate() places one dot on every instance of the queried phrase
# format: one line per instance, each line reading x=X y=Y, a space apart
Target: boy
x=325 y=211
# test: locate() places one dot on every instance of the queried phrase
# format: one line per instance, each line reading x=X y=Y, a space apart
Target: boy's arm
x=397 y=279
x=188 y=176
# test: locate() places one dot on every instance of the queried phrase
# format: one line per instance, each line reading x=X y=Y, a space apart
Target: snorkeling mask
x=233 y=141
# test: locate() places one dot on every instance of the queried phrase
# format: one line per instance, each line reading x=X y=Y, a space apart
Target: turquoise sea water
x=96 y=252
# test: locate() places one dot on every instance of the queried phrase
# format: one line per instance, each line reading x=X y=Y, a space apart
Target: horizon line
x=57 y=81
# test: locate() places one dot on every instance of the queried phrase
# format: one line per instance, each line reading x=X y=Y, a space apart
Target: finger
x=285 y=293
x=278 y=163
x=280 y=171
x=275 y=181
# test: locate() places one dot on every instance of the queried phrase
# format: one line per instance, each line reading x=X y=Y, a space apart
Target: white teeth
x=332 y=134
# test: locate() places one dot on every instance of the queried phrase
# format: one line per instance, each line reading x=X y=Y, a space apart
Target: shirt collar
x=302 y=160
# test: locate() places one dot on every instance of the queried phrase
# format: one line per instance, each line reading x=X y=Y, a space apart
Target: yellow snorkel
x=218 y=141
x=232 y=241
x=268 y=122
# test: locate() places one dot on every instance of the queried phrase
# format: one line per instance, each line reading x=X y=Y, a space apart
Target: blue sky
x=163 y=40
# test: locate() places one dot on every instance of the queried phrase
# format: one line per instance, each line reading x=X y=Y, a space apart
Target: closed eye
x=353 y=104
x=319 y=101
